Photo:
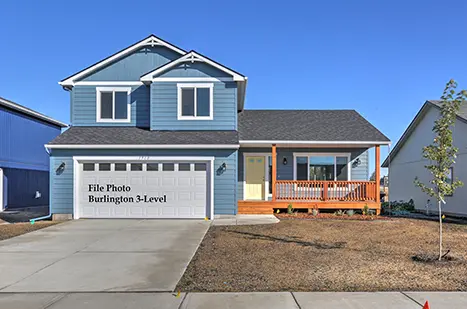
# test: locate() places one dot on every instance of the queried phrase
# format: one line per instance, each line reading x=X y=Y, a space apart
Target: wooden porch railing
x=304 y=190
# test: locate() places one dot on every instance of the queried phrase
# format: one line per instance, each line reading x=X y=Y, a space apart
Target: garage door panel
x=168 y=181
x=184 y=196
x=172 y=193
x=184 y=181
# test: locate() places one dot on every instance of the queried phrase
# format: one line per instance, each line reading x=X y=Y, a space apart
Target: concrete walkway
x=245 y=220
x=280 y=300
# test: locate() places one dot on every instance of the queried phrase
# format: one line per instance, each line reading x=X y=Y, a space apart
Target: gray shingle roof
x=260 y=125
x=133 y=136
x=307 y=125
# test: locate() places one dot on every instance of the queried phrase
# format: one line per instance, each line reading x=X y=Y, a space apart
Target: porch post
x=377 y=173
x=274 y=171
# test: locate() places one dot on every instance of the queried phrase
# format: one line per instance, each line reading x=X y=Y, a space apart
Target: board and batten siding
x=61 y=185
x=133 y=66
x=285 y=172
x=164 y=108
x=84 y=106
x=22 y=140
x=409 y=163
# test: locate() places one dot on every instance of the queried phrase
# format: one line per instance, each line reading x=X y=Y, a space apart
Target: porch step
x=255 y=210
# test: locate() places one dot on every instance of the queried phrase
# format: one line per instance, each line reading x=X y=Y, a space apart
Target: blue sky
x=382 y=58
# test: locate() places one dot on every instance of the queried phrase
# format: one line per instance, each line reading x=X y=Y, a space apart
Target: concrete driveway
x=100 y=255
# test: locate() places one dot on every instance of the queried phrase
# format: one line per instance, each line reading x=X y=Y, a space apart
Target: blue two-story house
x=160 y=132
x=24 y=162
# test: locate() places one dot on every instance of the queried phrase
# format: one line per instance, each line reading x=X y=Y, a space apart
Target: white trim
x=192 y=79
x=30 y=112
x=140 y=158
x=143 y=146
x=192 y=57
x=108 y=83
x=99 y=90
x=322 y=154
x=246 y=142
x=1 y=190
x=265 y=155
x=78 y=159
x=180 y=86
x=211 y=197
x=76 y=182
x=151 y=40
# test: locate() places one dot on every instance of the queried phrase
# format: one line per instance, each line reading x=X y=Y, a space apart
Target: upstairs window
x=195 y=101
x=113 y=104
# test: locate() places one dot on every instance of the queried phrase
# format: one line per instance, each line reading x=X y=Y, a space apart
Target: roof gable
x=192 y=57
x=151 y=40
x=131 y=66
x=461 y=115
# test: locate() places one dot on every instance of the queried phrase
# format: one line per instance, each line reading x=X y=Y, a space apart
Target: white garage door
x=143 y=189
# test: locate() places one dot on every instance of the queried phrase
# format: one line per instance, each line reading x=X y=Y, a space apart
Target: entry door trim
x=266 y=172
x=78 y=159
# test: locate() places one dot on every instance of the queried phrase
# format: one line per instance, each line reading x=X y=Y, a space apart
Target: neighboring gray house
x=405 y=162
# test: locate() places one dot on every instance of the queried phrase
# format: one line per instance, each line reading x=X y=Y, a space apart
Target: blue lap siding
x=164 y=108
x=84 y=107
x=61 y=186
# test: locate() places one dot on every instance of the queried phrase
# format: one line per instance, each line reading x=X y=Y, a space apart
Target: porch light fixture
x=356 y=163
x=284 y=161
x=223 y=167
x=60 y=168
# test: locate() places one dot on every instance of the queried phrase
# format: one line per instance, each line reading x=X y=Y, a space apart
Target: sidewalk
x=279 y=300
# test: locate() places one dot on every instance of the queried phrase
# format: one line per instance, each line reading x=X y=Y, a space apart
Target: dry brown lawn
x=16 y=229
x=327 y=255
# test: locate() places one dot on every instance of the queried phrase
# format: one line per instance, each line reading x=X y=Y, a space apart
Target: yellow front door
x=254 y=178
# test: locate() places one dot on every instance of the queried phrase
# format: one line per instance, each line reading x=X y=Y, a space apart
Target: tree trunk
x=440 y=231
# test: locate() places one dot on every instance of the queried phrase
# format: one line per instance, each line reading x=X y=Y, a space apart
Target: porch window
x=319 y=167
x=113 y=104
x=195 y=101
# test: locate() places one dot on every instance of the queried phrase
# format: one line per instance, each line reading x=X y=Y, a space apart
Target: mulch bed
x=16 y=229
x=328 y=255
x=327 y=216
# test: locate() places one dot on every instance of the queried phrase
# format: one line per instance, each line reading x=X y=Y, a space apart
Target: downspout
x=50 y=213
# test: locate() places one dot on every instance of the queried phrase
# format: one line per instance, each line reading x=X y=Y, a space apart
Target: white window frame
x=321 y=154
x=180 y=86
x=99 y=90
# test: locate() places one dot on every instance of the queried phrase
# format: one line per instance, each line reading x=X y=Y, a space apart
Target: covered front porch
x=307 y=176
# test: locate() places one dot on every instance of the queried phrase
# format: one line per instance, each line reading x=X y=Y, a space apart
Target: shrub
x=340 y=212
x=290 y=209
x=350 y=212
x=399 y=206
x=315 y=212
x=365 y=210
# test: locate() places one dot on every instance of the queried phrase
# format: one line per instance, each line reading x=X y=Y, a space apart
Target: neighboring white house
x=405 y=162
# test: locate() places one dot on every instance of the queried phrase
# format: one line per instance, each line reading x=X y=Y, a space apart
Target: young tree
x=442 y=153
